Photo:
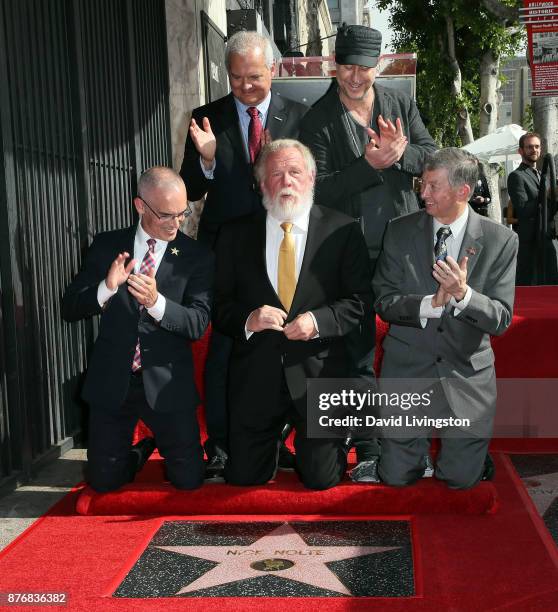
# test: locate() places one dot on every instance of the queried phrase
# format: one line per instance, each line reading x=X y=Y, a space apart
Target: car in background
x=306 y=79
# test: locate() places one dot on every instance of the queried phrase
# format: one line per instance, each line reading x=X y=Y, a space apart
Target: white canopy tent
x=499 y=146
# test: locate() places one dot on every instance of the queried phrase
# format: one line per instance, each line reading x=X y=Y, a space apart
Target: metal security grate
x=84 y=109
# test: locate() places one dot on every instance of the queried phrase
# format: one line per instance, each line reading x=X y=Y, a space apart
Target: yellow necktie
x=286 y=273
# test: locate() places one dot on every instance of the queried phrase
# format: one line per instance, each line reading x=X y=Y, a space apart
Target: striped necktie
x=147 y=264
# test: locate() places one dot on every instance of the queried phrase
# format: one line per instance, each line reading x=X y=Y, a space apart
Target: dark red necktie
x=147 y=264
x=255 y=131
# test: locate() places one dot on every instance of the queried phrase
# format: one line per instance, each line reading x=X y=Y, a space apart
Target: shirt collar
x=262 y=107
x=457 y=226
x=300 y=222
x=142 y=237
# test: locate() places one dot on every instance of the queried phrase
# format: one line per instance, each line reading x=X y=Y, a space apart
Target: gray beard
x=287 y=212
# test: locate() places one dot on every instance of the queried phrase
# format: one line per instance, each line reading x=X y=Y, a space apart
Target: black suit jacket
x=232 y=192
x=185 y=278
x=523 y=189
x=346 y=181
x=334 y=283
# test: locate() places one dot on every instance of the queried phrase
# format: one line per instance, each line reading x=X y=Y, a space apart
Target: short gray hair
x=158 y=177
x=461 y=165
x=278 y=145
x=241 y=43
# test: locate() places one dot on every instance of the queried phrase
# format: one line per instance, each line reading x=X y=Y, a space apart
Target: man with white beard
x=291 y=282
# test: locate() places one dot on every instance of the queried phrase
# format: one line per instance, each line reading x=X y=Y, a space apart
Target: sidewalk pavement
x=19 y=509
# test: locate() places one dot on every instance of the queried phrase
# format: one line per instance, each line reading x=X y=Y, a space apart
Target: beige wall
x=324 y=24
x=186 y=72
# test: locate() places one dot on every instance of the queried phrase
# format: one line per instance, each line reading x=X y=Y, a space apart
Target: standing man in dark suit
x=290 y=284
x=369 y=142
x=445 y=283
x=224 y=140
x=151 y=285
x=523 y=189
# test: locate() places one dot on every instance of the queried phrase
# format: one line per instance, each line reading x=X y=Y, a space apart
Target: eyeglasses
x=168 y=217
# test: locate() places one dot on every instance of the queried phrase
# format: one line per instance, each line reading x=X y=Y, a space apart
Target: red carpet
x=501 y=561
x=287 y=496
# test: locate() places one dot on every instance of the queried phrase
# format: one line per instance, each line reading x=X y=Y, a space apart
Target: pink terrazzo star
x=282 y=553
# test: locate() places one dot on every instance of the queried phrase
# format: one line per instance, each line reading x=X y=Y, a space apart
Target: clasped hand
x=452 y=278
x=269 y=317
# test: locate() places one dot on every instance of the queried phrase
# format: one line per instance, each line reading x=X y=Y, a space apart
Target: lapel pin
x=278 y=118
x=175 y=251
x=470 y=251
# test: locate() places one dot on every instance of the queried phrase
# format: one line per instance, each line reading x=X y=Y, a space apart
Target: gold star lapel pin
x=175 y=251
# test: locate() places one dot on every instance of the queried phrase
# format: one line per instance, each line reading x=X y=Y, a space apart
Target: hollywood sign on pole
x=541 y=19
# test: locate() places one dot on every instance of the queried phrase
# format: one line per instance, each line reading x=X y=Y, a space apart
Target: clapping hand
x=387 y=147
x=119 y=272
x=144 y=288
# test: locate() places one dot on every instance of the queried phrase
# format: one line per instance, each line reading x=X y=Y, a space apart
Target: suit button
x=440 y=329
x=438 y=359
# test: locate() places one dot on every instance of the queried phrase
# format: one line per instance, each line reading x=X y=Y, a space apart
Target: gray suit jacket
x=452 y=347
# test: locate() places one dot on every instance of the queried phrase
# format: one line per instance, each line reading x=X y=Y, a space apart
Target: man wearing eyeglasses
x=151 y=285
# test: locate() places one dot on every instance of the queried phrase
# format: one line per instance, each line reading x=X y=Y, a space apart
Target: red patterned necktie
x=255 y=131
x=147 y=264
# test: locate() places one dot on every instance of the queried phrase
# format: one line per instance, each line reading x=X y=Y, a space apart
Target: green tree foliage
x=421 y=26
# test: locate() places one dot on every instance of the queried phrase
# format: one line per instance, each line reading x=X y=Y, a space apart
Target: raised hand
x=387 y=147
x=204 y=141
x=119 y=272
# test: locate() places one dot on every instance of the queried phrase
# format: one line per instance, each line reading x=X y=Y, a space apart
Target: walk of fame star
x=281 y=552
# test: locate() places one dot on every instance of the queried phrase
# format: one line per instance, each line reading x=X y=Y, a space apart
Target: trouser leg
x=460 y=462
x=110 y=462
x=177 y=436
x=216 y=369
x=320 y=463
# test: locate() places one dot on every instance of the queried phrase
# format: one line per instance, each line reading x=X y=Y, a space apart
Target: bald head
x=159 y=178
x=161 y=203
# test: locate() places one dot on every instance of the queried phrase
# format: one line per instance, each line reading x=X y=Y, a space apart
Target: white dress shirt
x=273 y=238
x=453 y=244
x=244 y=121
x=140 y=249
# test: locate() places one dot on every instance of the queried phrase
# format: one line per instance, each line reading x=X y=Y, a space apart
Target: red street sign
x=541 y=19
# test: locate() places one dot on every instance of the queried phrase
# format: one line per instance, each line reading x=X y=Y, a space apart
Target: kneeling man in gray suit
x=445 y=282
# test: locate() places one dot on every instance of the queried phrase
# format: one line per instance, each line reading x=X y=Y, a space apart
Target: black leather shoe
x=489 y=469
x=215 y=469
x=286 y=462
x=143 y=450
x=366 y=471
